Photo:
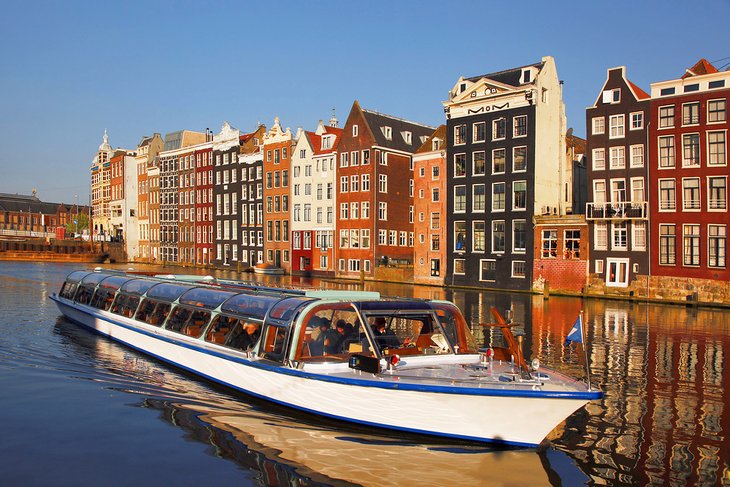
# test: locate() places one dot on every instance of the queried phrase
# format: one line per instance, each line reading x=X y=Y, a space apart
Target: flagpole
x=585 y=348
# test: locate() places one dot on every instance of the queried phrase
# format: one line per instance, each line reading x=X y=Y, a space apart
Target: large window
x=716 y=111
x=519 y=236
x=600 y=236
x=691 y=150
x=460 y=236
x=617 y=274
x=637 y=155
x=499 y=129
x=667 y=195
x=637 y=120
x=519 y=159
x=599 y=159
x=478 y=163
x=498 y=239
x=460 y=134
x=459 y=165
x=478 y=237
x=498 y=193
x=667 y=244
x=638 y=239
x=460 y=199
x=478 y=198
x=520 y=126
x=572 y=244
x=519 y=195
x=717 y=193
x=691 y=194
x=488 y=270
x=717 y=241
x=480 y=132
x=666 y=116
x=549 y=244
x=599 y=125
x=666 y=151
x=691 y=237
x=498 y=161
x=519 y=268
x=617 y=126
x=618 y=157
x=716 y=149
x=619 y=236
x=691 y=113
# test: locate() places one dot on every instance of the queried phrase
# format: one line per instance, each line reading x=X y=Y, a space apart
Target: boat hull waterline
x=519 y=417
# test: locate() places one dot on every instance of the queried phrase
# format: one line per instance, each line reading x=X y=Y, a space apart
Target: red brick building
x=689 y=176
x=561 y=253
x=278 y=145
x=204 y=203
x=429 y=249
x=374 y=186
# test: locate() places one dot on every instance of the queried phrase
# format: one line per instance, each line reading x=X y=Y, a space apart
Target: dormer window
x=526 y=75
x=327 y=142
x=423 y=139
x=436 y=144
x=407 y=137
x=354 y=130
x=387 y=132
x=462 y=87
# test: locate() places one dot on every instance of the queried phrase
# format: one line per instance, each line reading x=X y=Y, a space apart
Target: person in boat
x=384 y=336
x=326 y=340
x=244 y=335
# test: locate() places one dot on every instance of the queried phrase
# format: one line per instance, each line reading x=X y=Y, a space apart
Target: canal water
x=79 y=409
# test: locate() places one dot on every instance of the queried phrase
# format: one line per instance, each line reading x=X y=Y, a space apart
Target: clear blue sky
x=71 y=69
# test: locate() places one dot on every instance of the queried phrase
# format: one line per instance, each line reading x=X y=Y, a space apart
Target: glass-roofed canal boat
x=402 y=364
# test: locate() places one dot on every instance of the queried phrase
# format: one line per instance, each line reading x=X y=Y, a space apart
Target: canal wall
x=42 y=250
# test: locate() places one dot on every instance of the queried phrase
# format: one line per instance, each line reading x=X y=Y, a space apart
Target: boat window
x=188 y=321
x=406 y=332
x=166 y=291
x=205 y=297
x=103 y=299
x=286 y=308
x=241 y=334
x=137 y=286
x=86 y=288
x=153 y=312
x=332 y=332
x=125 y=305
x=113 y=282
x=455 y=328
x=255 y=306
x=71 y=284
x=76 y=276
x=275 y=340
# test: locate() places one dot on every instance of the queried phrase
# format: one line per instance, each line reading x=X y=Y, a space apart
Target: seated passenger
x=385 y=337
x=244 y=336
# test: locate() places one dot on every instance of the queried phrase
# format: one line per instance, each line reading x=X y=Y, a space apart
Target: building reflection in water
x=664 y=371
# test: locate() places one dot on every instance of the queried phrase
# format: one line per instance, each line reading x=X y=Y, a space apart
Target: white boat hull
x=522 y=420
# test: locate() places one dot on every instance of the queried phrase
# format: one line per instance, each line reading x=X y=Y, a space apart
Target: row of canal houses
x=502 y=195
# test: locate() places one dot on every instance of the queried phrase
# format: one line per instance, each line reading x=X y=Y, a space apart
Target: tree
x=82 y=220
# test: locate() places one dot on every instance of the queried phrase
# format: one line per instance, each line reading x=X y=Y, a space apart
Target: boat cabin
x=292 y=327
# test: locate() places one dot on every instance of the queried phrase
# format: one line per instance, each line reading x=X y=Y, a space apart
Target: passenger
x=244 y=336
x=319 y=336
x=385 y=337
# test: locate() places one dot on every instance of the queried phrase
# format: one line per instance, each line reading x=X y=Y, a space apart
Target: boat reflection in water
x=289 y=448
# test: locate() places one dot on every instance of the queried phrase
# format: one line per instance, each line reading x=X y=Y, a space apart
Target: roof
x=576 y=142
x=376 y=121
x=510 y=76
x=703 y=66
x=427 y=146
x=25 y=203
x=315 y=140
x=638 y=92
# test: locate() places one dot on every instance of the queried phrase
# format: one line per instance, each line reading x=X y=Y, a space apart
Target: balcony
x=623 y=210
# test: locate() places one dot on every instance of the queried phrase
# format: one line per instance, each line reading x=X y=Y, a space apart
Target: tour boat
x=402 y=364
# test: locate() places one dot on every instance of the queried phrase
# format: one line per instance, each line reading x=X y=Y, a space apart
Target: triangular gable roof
x=638 y=93
x=703 y=66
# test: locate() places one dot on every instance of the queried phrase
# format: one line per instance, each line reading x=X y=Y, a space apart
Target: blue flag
x=576 y=333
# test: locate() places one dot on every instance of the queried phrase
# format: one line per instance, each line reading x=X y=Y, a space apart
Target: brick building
x=278 y=145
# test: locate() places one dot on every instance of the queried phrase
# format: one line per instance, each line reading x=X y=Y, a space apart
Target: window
x=618 y=190
x=519 y=236
x=354 y=130
x=435 y=243
x=435 y=195
x=717 y=242
x=716 y=84
x=666 y=116
x=520 y=126
x=666 y=151
x=498 y=240
x=619 y=236
x=459 y=266
x=667 y=245
x=478 y=200
x=435 y=221
x=344 y=184
x=637 y=121
x=478 y=237
x=435 y=267
x=691 y=150
x=691 y=113
x=716 y=149
x=618 y=158
x=667 y=195
x=637 y=155
x=366 y=158
x=618 y=272
x=549 y=244
x=716 y=111
x=571 y=240
x=519 y=268
x=599 y=125
x=459 y=165
x=382 y=211
x=637 y=190
x=498 y=192
x=638 y=239
x=616 y=124
x=519 y=195
x=599 y=191
x=519 y=159
x=499 y=129
x=382 y=183
x=478 y=163
x=488 y=270
x=480 y=132
x=717 y=193
x=691 y=194
x=460 y=134
x=344 y=159
x=600 y=236
x=599 y=266
x=353 y=265
x=365 y=186
x=599 y=159
x=460 y=236
x=498 y=161
x=460 y=199
x=435 y=171
x=691 y=240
